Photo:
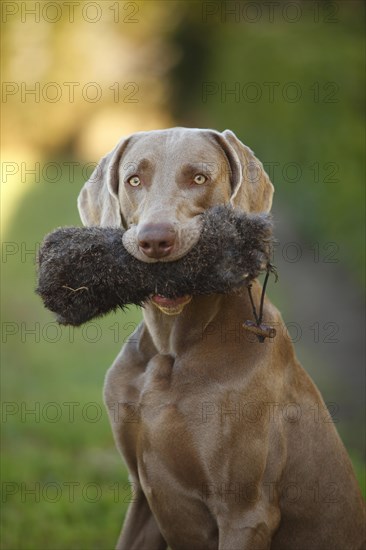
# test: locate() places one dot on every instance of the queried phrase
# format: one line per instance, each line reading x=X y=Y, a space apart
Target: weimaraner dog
x=227 y=440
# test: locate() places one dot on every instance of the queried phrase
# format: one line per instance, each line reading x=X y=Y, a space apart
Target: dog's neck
x=216 y=315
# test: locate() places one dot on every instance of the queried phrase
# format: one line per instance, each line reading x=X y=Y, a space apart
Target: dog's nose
x=156 y=240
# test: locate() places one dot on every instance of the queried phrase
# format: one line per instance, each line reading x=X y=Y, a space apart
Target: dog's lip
x=170 y=306
x=165 y=302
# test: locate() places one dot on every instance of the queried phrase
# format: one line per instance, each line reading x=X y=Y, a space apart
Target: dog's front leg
x=140 y=530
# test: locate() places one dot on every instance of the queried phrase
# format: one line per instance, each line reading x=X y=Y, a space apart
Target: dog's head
x=156 y=184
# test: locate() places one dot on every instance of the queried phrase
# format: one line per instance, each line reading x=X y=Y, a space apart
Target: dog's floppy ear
x=252 y=190
x=98 y=202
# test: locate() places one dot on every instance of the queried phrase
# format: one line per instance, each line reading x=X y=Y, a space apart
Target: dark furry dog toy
x=86 y=272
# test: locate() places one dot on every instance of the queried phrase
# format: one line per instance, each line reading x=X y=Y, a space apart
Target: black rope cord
x=262 y=331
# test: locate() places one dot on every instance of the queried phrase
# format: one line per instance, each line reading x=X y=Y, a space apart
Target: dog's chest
x=169 y=455
x=166 y=426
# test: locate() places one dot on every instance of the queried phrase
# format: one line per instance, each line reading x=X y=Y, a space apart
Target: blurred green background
x=288 y=78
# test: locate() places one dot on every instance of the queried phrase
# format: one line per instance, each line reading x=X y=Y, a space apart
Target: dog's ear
x=252 y=190
x=98 y=202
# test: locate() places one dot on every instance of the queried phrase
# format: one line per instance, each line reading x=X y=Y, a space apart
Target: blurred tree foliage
x=68 y=81
x=291 y=86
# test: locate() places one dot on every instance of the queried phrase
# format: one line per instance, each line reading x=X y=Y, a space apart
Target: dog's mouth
x=171 y=306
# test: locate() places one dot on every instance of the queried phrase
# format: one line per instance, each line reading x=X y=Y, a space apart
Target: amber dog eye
x=199 y=179
x=134 y=181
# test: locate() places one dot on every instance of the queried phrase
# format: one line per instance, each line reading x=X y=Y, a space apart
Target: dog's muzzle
x=186 y=237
